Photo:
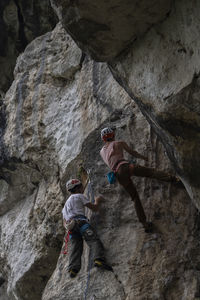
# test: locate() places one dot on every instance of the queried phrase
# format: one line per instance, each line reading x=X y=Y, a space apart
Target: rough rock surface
x=20 y=22
x=105 y=28
x=56 y=106
x=159 y=69
x=161 y=72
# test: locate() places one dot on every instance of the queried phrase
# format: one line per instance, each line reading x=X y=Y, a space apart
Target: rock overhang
x=103 y=29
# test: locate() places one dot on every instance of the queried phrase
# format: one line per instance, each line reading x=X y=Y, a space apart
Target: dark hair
x=74 y=190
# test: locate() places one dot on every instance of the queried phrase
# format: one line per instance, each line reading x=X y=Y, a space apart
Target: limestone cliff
x=20 y=22
x=157 y=65
x=51 y=118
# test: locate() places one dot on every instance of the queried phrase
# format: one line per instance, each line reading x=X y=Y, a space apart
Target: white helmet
x=72 y=183
x=107 y=133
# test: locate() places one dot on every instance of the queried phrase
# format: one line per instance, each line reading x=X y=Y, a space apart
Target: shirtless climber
x=112 y=154
x=75 y=221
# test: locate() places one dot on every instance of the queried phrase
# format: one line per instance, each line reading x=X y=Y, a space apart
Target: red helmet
x=107 y=134
x=72 y=183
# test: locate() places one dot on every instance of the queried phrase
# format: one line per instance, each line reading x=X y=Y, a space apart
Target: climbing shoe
x=148 y=227
x=73 y=273
x=177 y=182
x=99 y=263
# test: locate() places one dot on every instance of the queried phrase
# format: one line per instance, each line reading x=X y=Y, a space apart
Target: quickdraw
x=66 y=243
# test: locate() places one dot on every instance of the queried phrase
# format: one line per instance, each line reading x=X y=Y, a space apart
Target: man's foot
x=73 y=273
x=100 y=263
x=176 y=181
x=148 y=227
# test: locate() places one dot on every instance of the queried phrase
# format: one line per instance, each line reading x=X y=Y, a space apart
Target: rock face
x=105 y=28
x=43 y=106
x=20 y=22
x=159 y=70
x=50 y=122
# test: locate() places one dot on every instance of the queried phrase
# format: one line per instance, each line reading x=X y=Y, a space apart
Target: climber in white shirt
x=77 y=224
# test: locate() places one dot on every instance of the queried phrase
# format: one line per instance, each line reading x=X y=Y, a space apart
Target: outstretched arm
x=132 y=152
x=96 y=205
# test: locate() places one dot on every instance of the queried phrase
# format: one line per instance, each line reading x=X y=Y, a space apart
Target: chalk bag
x=111 y=177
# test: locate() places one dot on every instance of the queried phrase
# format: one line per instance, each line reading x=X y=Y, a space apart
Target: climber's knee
x=131 y=169
x=130 y=188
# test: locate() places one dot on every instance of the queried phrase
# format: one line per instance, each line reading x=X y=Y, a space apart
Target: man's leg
x=130 y=188
x=123 y=176
x=137 y=170
x=92 y=240
x=96 y=246
x=76 y=250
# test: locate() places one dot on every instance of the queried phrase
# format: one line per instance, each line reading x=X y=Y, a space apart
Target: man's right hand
x=96 y=205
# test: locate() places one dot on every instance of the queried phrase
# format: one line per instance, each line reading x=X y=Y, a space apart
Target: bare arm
x=132 y=152
x=96 y=205
x=93 y=207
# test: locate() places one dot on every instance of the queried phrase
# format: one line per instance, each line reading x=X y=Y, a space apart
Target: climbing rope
x=90 y=192
x=38 y=81
x=88 y=277
x=90 y=195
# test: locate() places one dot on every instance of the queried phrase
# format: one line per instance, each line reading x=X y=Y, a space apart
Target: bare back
x=113 y=155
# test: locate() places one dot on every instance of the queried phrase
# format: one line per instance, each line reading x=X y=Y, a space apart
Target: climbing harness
x=84 y=228
x=69 y=227
x=111 y=175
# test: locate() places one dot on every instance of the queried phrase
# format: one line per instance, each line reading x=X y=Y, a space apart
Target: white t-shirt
x=75 y=205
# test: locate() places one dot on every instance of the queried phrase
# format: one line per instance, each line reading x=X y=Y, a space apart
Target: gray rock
x=20 y=23
x=104 y=29
x=159 y=69
x=160 y=72
x=55 y=109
